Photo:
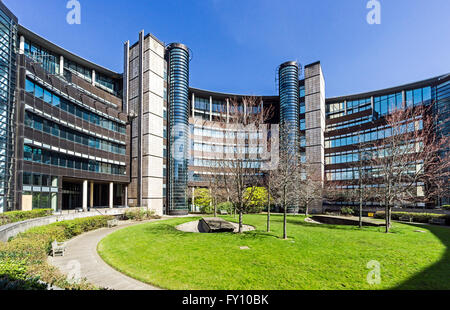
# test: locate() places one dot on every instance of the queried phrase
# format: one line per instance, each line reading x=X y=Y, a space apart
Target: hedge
x=140 y=215
x=416 y=217
x=18 y=216
x=23 y=260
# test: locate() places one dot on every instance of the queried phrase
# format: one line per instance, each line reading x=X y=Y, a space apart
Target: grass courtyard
x=314 y=257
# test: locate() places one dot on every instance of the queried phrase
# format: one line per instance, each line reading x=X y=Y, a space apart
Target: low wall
x=370 y=209
x=11 y=230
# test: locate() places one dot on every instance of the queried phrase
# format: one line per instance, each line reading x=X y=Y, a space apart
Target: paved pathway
x=83 y=250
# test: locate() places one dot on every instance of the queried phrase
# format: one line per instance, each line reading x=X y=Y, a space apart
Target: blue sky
x=237 y=44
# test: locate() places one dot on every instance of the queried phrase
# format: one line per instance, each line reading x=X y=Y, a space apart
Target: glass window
x=46 y=125
x=56 y=101
x=55 y=161
x=29 y=86
x=427 y=94
x=27 y=153
x=37 y=179
x=409 y=98
x=47 y=96
x=37 y=123
x=70 y=108
x=39 y=92
x=37 y=155
x=70 y=136
x=45 y=180
x=46 y=158
x=417 y=96
x=27 y=178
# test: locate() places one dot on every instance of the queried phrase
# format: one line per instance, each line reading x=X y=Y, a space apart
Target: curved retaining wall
x=11 y=230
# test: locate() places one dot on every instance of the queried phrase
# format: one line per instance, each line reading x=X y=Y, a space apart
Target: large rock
x=215 y=225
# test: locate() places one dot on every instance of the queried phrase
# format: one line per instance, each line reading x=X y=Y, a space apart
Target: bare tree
x=286 y=174
x=310 y=186
x=409 y=165
x=239 y=164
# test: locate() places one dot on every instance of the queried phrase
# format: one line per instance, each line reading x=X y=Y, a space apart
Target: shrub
x=23 y=260
x=18 y=216
x=225 y=206
x=446 y=207
x=416 y=217
x=140 y=215
x=207 y=209
x=347 y=211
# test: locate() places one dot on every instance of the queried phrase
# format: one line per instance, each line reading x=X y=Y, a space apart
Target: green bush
x=13 y=276
x=23 y=260
x=207 y=209
x=347 y=211
x=225 y=206
x=446 y=207
x=416 y=217
x=18 y=216
x=140 y=215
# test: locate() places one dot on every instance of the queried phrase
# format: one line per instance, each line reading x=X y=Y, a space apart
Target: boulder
x=215 y=225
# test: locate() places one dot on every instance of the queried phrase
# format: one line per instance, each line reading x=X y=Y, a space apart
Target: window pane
x=29 y=86
x=47 y=96
x=39 y=92
x=56 y=102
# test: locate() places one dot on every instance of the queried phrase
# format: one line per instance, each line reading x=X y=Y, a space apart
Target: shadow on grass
x=431 y=278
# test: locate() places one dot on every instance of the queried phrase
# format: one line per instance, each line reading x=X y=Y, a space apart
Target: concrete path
x=81 y=259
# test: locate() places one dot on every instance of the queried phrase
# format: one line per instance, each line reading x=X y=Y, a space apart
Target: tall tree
x=409 y=164
x=286 y=174
x=240 y=166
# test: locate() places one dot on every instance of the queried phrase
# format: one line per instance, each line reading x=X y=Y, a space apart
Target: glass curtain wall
x=178 y=55
x=289 y=90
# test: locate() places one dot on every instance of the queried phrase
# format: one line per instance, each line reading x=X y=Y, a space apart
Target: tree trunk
x=240 y=221
x=306 y=210
x=285 y=215
x=215 y=209
x=240 y=216
x=285 y=222
x=360 y=209
x=268 y=210
x=387 y=216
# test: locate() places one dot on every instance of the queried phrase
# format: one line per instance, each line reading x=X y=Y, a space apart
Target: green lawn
x=315 y=256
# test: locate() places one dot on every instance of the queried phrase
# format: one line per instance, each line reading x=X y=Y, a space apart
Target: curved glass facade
x=178 y=64
x=289 y=89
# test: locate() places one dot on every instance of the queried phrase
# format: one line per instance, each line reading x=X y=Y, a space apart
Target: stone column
x=91 y=202
x=61 y=65
x=126 y=196
x=111 y=195
x=210 y=108
x=22 y=45
x=85 y=195
x=93 y=77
